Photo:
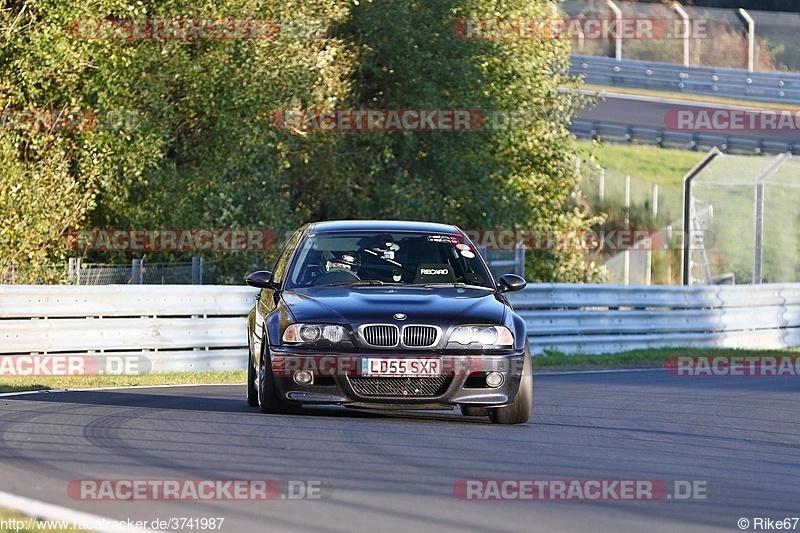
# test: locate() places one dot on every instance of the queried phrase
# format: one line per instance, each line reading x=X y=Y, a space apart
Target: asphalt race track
x=630 y=110
x=396 y=471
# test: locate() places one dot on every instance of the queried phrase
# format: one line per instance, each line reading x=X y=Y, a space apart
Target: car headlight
x=313 y=333
x=487 y=336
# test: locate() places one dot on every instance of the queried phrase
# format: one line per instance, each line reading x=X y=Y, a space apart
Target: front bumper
x=338 y=379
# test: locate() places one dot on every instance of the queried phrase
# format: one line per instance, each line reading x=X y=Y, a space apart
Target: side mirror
x=261 y=279
x=511 y=283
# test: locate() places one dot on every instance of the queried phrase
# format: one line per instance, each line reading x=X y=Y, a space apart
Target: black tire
x=474 y=411
x=519 y=411
x=252 y=379
x=269 y=401
x=267 y=394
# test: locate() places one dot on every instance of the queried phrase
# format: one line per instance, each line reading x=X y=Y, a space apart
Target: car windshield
x=370 y=258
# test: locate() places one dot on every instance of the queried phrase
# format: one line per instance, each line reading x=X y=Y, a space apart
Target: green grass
x=27 y=383
x=555 y=361
x=664 y=167
x=647 y=166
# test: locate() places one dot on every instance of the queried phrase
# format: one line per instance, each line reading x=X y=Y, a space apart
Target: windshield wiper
x=354 y=283
x=456 y=285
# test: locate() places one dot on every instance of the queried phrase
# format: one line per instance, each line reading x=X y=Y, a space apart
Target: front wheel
x=519 y=411
x=252 y=375
x=252 y=379
x=268 y=400
x=474 y=411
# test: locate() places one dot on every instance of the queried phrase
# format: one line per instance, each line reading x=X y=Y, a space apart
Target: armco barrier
x=196 y=328
x=175 y=327
x=582 y=318
x=732 y=144
x=732 y=83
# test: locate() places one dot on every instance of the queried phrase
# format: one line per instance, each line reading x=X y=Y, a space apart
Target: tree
x=185 y=133
x=412 y=55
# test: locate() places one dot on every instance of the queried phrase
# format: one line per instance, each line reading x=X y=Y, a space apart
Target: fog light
x=304 y=377
x=494 y=379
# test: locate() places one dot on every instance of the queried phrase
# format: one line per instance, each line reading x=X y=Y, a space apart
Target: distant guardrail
x=621 y=133
x=199 y=328
x=593 y=319
x=779 y=87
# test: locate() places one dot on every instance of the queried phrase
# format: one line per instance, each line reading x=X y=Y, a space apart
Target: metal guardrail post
x=688 y=208
x=618 y=13
x=751 y=38
x=680 y=11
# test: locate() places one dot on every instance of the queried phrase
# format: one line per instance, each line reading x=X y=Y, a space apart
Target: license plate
x=400 y=367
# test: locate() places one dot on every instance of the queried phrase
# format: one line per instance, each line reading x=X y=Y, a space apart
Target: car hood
x=422 y=305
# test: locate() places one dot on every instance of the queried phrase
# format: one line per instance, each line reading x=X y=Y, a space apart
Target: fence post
x=136 y=272
x=688 y=214
x=680 y=11
x=751 y=38
x=655 y=201
x=626 y=267
x=601 y=185
x=669 y=254
x=197 y=270
x=618 y=15
x=627 y=201
x=73 y=270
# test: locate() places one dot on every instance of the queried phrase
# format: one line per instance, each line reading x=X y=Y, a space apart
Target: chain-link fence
x=138 y=272
x=502 y=262
x=686 y=35
x=745 y=220
x=196 y=272
x=635 y=205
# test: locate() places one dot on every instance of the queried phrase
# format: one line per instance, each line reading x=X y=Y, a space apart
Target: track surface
x=651 y=112
x=395 y=471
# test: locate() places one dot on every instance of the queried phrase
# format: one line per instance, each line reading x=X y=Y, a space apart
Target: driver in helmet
x=347 y=262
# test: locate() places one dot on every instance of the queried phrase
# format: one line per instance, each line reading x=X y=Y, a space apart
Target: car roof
x=380 y=225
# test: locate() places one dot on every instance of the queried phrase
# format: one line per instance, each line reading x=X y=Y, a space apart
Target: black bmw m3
x=387 y=314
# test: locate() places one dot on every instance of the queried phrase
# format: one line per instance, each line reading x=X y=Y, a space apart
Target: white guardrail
x=167 y=327
x=197 y=328
x=581 y=318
